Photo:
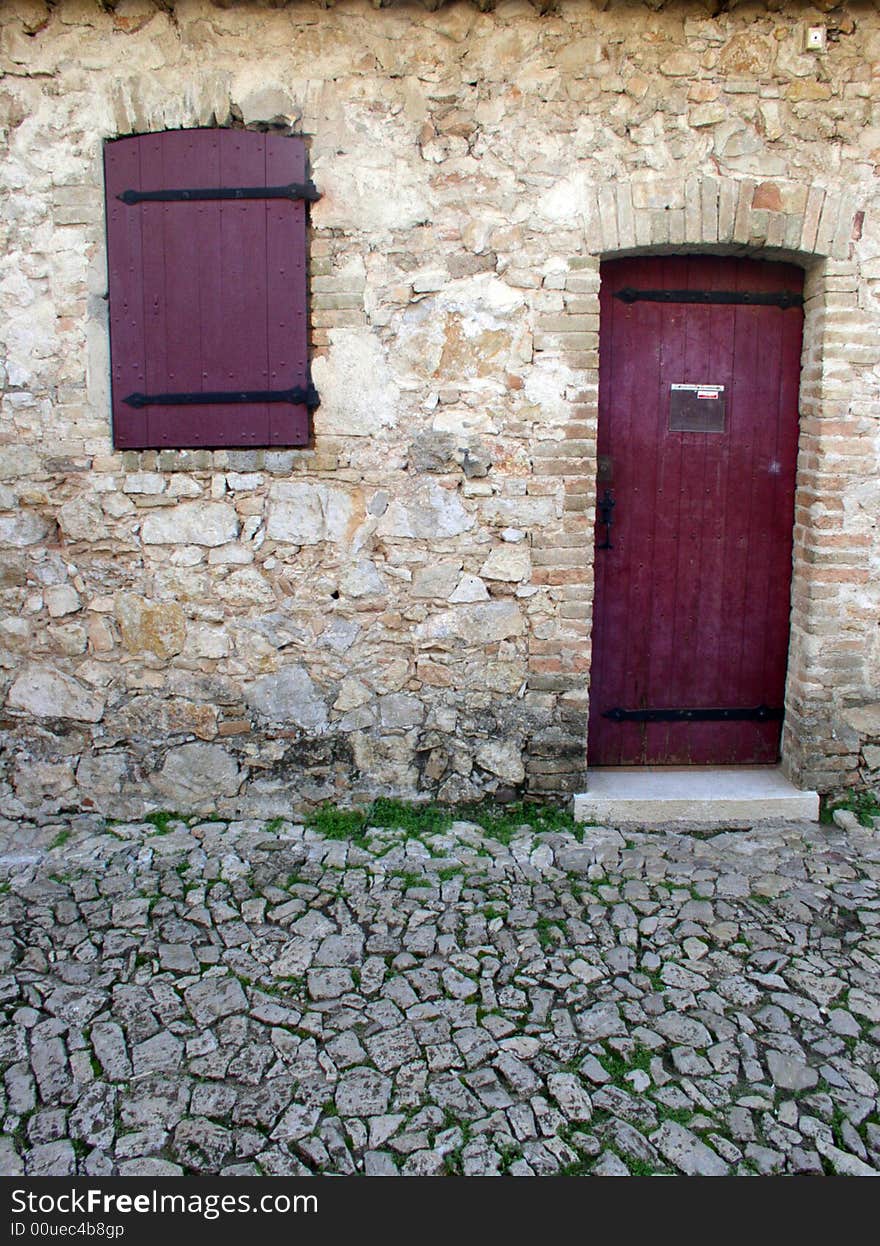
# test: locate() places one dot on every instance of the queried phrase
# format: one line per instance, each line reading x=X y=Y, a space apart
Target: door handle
x=606 y=518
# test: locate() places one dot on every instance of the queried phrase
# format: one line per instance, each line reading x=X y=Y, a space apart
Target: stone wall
x=405 y=606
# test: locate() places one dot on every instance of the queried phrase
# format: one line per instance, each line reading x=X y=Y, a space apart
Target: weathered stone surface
x=686 y=1152
x=23 y=529
x=497 y=620
x=144 y=715
x=213 y=998
x=431 y=513
x=454 y=348
x=507 y=562
x=82 y=519
x=160 y=1054
x=236 y=985
x=195 y=774
x=864 y=719
x=358 y=393
x=61 y=599
x=150 y=626
x=306 y=514
x=202 y=1145
x=502 y=758
x=51 y=1159
x=245 y=588
x=790 y=1073
x=437 y=579
x=362 y=579
x=571 y=1096
x=49 y=694
x=288 y=696
x=191 y=523
x=94 y=1117
x=468 y=589
x=363 y=1092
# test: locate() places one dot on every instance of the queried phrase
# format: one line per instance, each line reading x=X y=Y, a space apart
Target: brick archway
x=806 y=224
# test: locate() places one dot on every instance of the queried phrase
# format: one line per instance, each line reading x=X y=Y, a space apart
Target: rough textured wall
x=406 y=606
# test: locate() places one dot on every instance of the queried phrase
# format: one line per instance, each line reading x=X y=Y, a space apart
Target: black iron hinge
x=758 y=298
x=294 y=190
x=298 y=394
x=757 y=713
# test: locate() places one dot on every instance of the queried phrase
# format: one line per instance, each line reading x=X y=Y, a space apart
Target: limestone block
x=154 y=718
x=386 y=759
x=156 y=627
x=17 y=461
x=234 y=554
x=432 y=512
x=23 y=529
x=82 y=519
x=144 y=482
x=101 y=774
x=36 y=781
x=358 y=393
x=288 y=696
x=481 y=624
x=508 y=677
x=400 y=710
x=70 y=638
x=115 y=505
x=61 y=599
x=432 y=452
x=388 y=675
x=746 y=55
x=438 y=579
x=204 y=641
x=362 y=579
x=306 y=514
x=864 y=720
x=49 y=694
x=194 y=775
x=101 y=638
x=502 y=757
x=245 y=587
x=267 y=102
x=871 y=754
x=352 y=694
x=469 y=588
x=16 y=633
x=191 y=523
x=356 y=187
x=181 y=486
x=508 y=562
x=339 y=635
x=524 y=512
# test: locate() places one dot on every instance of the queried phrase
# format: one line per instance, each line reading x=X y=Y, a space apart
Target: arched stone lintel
x=729 y=215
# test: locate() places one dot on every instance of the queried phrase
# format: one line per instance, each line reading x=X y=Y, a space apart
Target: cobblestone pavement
x=245 y=999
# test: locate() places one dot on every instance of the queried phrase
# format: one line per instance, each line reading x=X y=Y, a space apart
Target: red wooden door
x=693 y=576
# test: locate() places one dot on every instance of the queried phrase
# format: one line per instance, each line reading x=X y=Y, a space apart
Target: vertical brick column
x=562 y=553
x=833 y=535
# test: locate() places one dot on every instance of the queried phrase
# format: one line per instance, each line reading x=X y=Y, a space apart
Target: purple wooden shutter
x=207 y=296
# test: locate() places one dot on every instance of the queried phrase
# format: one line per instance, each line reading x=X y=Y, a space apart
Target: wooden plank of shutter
x=222 y=289
x=125 y=283
x=287 y=291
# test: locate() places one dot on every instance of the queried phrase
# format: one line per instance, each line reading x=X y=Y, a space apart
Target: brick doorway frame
x=803 y=224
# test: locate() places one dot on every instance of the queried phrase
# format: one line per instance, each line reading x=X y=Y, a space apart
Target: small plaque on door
x=697 y=409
